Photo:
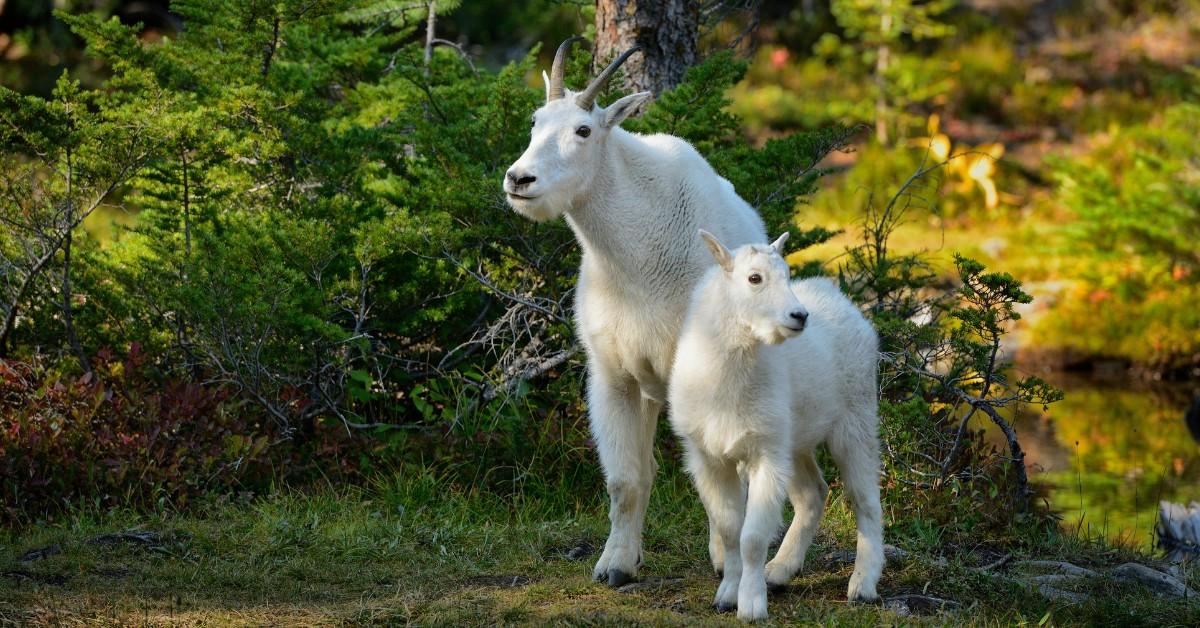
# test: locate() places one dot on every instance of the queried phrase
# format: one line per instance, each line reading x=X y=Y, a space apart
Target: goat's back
x=838 y=352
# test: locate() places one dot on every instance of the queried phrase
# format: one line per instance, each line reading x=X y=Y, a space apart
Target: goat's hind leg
x=857 y=457
x=623 y=425
x=716 y=548
x=807 y=492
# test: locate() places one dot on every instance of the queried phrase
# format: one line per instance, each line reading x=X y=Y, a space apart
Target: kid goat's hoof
x=617 y=578
x=862 y=599
x=724 y=607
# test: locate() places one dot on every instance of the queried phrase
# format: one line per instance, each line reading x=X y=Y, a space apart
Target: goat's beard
x=541 y=209
x=775 y=334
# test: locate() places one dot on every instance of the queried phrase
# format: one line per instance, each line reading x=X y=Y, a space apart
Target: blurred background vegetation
x=263 y=241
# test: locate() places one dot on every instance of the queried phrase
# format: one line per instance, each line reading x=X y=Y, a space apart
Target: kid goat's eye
x=756 y=279
x=583 y=131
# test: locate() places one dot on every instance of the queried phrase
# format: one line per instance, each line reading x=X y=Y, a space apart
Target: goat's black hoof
x=860 y=599
x=725 y=608
x=617 y=578
x=720 y=574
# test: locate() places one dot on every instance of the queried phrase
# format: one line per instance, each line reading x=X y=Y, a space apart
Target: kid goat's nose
x=520 y=179
x=799 y=316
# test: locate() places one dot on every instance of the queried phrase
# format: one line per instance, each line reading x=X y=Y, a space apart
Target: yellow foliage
x=969 y=166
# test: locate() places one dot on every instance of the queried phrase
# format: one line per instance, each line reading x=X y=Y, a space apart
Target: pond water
x=1109 y=452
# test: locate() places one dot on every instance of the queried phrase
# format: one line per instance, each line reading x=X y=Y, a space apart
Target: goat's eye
x=755 y=278
x=533 y=122
x=583 y=131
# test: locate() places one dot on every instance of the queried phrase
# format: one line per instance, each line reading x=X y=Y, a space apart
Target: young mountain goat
x=634 y=203
x=752 y=397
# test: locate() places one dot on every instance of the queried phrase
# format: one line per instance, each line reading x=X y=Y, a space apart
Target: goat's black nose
x=521 y=179
x=799 y=315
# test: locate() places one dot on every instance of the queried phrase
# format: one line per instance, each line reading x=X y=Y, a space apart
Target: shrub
x=120 y=437
x=1137 y=199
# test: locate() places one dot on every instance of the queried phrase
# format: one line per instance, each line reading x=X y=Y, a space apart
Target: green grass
x=415 y=550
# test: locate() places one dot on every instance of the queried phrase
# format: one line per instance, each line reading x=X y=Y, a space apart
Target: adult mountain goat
x=766 y=370
x=634 y=203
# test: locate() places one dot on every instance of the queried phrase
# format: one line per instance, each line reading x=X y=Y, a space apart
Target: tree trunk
x=68 y=321
x=667 y=31
x=883 y=59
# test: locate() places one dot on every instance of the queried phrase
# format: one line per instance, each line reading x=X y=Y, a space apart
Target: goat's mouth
x=519 y=197
x=794 y=329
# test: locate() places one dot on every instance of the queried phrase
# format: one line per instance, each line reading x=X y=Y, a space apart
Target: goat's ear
x=778 y=243
x=546 y=82
x=618 y=111
x=718 y=250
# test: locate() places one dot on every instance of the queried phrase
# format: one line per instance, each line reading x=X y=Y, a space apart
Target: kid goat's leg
x=623 y=425
x=767 y=481
x=724 y=499
x=807 y=491
x=857 y=456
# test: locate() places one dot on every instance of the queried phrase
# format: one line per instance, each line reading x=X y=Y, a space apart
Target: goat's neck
x=732 y=354
x=637 y=221
x=725 y=334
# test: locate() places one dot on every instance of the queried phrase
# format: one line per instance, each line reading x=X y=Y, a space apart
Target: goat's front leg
x=623 y=426
x=722 y=492
x=767 y=479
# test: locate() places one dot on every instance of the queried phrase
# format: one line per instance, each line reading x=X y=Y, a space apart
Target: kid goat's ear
x=718 y=250
x=618 y=111
x=778 y=243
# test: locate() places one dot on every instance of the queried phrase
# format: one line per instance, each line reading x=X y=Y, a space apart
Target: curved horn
x=587 y=97
x=556 y=71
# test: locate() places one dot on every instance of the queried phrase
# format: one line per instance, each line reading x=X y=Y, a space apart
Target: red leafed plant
x=119 y=437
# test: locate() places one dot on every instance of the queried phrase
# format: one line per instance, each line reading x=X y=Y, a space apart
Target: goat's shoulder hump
x=670 y=144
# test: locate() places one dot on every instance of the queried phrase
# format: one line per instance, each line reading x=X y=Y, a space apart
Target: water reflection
x=1110 y=451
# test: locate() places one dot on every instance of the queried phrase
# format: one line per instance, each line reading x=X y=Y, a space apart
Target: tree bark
x=430 y=25
x=68 y=321
x=667 y=31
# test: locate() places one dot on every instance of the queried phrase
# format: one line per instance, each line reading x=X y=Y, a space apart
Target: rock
x=649 y=583
x=112 y=572
x=137 y=537
x=1160 y=583
x=57 y=580
x=582 y=550
x=1049 y=585
x=1055 y=593
x=40 y=553
x=890 y=552
x=508 y=581
x=1062 y=567
x=1056 y=578
x=1178 y=527
x=913 y=604
x=578 y=549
